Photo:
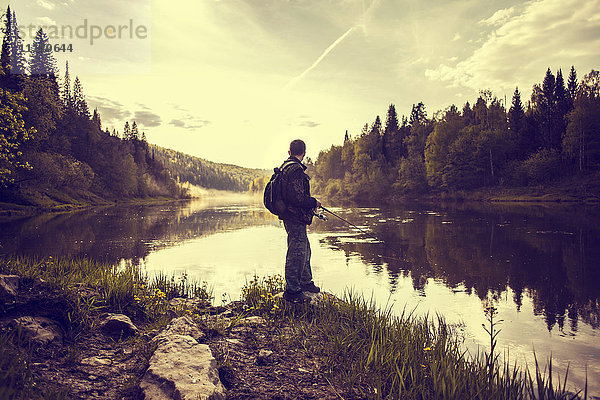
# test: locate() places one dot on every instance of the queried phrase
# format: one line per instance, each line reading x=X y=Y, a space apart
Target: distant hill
x=207 y=174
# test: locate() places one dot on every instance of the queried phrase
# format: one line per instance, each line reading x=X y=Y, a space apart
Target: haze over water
x=537 y=264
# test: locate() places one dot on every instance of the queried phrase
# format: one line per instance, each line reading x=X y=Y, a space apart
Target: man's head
x=297 y=149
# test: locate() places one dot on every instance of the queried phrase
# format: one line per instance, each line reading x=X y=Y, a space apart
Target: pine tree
x=561 y=108
x=67 y=97
x=418 y=115
x=135 y=134
x=18 y=64
x=546 y=109
x=96 y=119
x=42 y=61
x=6 y=45
x=126 y=131
x=467 y=114
x=391 y=140
x=572 y=85
x=79 y=103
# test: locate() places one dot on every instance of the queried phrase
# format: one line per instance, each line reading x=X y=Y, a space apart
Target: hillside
x=207 y=174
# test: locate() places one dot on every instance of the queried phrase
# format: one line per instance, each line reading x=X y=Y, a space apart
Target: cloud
x=111 y=111
x=309 y=124
x=191 y=124
x=546 y=33
x=147 y=119
x=499 y=17
x=45 y=21
x=46 y=4
x=456 y=37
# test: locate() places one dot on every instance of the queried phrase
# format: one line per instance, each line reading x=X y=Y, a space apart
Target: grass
x=374 y=354
x=79 y=290
x=368 y=352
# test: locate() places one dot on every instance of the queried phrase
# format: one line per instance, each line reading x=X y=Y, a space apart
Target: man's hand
x=318 y=203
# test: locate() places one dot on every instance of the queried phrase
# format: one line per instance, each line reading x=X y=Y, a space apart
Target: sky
x=234 y=81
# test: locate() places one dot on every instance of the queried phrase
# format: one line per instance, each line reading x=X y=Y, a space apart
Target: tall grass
x=90 y=286
x=375 y=354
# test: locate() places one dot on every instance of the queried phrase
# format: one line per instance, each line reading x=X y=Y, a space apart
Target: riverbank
x=26 y=203
x=584 y=189
x=54 y=330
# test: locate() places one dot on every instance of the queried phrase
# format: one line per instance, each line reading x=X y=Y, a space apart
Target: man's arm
x=299 y=195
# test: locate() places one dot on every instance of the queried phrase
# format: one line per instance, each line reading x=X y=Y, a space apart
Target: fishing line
x=364 y=232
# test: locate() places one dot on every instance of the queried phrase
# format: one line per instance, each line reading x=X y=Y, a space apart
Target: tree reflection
x=545 y=253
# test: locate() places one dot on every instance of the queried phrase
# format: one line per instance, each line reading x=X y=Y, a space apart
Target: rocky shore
x=197 y=352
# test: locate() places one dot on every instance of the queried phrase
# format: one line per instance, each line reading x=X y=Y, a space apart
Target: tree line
x=207 y=174
x=49 y=139
x=556 y=134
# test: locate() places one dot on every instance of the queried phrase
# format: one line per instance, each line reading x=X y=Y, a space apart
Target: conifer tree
x=97 y=120
x=126 y=131
x=572 y=84
x=18 y=64
x=135 y=134
x=42 y=61
x=391 y=138
x=79 y=103
x=67 y=96
x=6 y=45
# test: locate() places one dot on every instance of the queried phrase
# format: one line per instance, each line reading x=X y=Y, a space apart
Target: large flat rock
x=182 y=369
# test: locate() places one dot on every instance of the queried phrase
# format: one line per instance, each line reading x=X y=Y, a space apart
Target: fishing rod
x=324 y=218
x=348 y=222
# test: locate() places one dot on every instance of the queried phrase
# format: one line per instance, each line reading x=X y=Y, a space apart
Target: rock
x=182 y=369
x=181 y=326
x=192 y=304
x=96 y=361
x=118 y=325
x=37 y=282
x=40 y=330
x=9 y=286
x=254 y=320
x=264 y=357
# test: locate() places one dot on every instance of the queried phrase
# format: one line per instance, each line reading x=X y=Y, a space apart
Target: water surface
x=537 y=263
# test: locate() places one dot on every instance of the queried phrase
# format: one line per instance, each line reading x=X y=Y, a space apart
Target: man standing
x=299 y=214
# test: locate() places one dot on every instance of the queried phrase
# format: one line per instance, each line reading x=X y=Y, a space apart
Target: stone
x=40 y=330
x=193 y=303
x=96 y=361
x=181 y=326
x=182 y=369
x=118 y=325
x=264 y=357
x=9 y=286
x=254 y=320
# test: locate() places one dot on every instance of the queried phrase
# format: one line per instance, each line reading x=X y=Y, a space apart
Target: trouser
x=297 y=261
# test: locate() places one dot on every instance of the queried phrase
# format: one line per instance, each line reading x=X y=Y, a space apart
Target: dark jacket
x=297 y=193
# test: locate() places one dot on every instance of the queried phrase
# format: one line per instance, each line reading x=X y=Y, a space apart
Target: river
x=538 y=264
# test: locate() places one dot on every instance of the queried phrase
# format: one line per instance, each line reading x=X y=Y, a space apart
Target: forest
x=53 y=150
x=207 y=174
x=555 y=135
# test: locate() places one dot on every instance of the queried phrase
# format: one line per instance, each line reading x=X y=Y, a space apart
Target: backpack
x=274 y=196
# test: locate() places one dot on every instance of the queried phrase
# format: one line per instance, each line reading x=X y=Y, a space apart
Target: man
x=299 y=214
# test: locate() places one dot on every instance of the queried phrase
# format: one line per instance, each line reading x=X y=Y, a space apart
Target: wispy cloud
x=546 y=33
x=147 y=119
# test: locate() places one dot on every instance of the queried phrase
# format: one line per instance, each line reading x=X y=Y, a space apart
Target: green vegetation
x=557 y=135
x=79 y=291
x=53 y=150
x=373 y=354
x=369 y=352
x=207 y=174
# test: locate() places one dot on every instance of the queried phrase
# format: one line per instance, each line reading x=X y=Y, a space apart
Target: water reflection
x=127 y=232
x=548 y=254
